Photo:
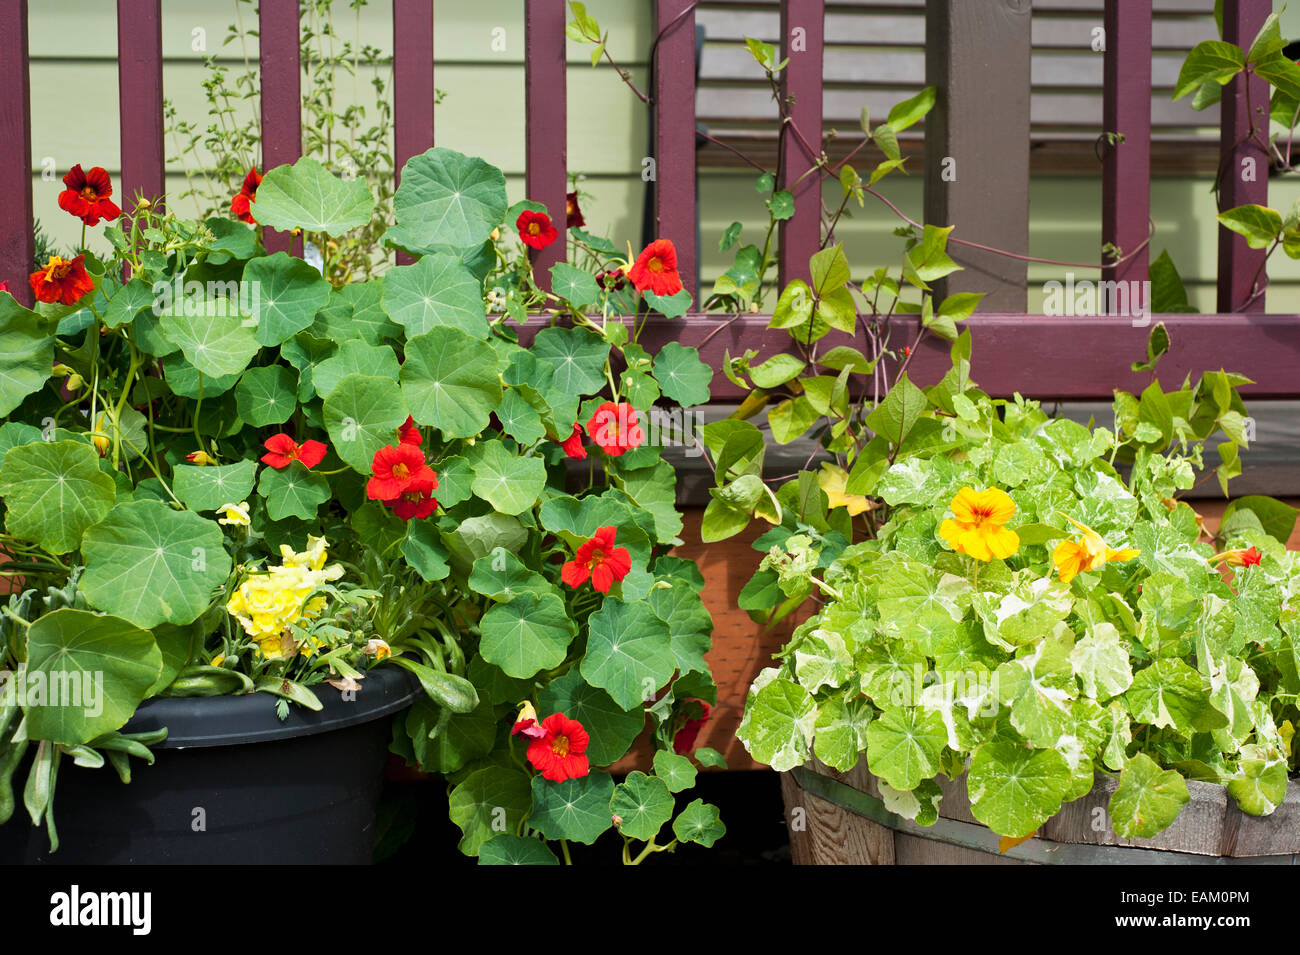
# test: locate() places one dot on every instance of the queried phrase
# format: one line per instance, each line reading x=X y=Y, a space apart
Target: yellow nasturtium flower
x=1088 y=553
x=976 y=526
x=833 y=480
x=236 y=514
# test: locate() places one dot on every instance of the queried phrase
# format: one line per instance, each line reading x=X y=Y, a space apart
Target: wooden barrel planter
x=840 y=819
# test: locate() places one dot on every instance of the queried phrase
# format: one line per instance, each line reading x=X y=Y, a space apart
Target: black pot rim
x=209 y=721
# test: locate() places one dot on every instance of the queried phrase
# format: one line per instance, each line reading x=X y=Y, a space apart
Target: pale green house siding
x=479 y=49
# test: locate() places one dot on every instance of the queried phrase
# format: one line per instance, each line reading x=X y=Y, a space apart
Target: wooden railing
x=982 y=118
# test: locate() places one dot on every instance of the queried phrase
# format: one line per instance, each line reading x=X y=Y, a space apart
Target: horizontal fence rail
x=1039 y=355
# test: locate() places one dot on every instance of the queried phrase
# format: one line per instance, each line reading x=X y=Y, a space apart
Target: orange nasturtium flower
x=976 y=526
x=1239 y=558
x=1088 y=553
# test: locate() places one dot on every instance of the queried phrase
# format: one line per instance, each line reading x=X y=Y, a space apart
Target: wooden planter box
x=840 y=819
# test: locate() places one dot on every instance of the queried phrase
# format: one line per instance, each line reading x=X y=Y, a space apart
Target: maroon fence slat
x=15 y=151
x=1048 y=357
x=546 y=123
x=139 y=72
x=802 y=28
x=413 y=90
x=1126 y=167
x=1244 y=167
x=673 y=93
x=281 y=92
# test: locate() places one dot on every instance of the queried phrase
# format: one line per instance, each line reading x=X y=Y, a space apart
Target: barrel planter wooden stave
x=840 y=819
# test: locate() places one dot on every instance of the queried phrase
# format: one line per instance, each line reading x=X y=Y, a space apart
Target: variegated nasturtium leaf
x=267 y=396
x=1100 y=661
x=578 y=356
x=1168 y=693
x=450 y=381
x=487 y=799
x=509 y=849
x=904 y=745
x=841 y=732
x=677 y=772
x=27 y=347
x=109 y=663
x=53 y=491
x=777 y=727
x=529 y=634
x=576 y=809
x=151 y=564
x=446 y=199
x=208 y=488
x=629 y=653
x=437 y=290
x=305 y=195
x=511 y=483
x=1148 y=798
x=285 y=295
x=822 y=659
x=362 y=415
x=214 y=335
x=699 y=822
x=292 y=491
x=643 y=804
x=1260 y=783
x=921 y=804
x=610 y=728
x=1039 y=687
x=681 y=375
x=1014 y=789
x=354 y=357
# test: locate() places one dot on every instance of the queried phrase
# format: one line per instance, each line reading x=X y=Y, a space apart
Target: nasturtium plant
x=229 y=474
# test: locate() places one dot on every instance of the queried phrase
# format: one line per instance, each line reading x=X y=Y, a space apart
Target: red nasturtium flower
x=599 y=560
x=396 y=467
x=64 y=281
x=408 y=433
x=655 y=269
x=616 y=428
x=572 y=445
x=1251 y=557
x=572 y=214
x=535 y=229
x=416 y=501
x=4 y=287
x=562 y=753
x=684 y=741
x=86 y=195
x=526 y=723
x=282 y=450
x=200 y=459
x=240 y=206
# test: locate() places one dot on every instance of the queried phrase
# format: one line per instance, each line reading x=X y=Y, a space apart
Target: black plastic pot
x=232 y=784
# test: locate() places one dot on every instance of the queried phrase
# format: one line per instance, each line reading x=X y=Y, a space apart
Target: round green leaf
x=682 y=376
x=267 y=396
x=1148 y=799
x=485 y=801
x=644 y=804
x=526 y=635
x=188 y=382
x=285 y=295
x=354 y=357
x=215 y=336
x=699 y=822
x=1014 y=789
x=436 y=291
x=151 y=564
x=611 y=728
x=293 y=491
x=27 y=347
x=510 y=483
x=94 y=670
x=208 y=488
x=508 y=849
x=450 y=381
x=362 y=415
x=578 y=356
x=305 y=196
x=629 y=653
x=446 y=198
x=677 y=772
x=53 y=491
x=576 y=809
x=904 y=745
x=423 y=550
